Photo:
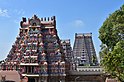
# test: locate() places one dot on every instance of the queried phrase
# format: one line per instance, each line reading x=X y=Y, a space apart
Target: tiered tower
x=83 y=50
x=66 y=44
x=37 y=52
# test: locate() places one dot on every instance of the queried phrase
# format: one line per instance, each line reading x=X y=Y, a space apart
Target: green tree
x=111 y=35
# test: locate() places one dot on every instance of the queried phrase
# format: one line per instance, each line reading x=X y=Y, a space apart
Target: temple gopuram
x=37 y=53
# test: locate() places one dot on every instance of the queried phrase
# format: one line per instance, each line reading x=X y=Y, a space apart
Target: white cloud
x=11 y=13
x=19 y=12
x=78 y=23
x=4 y=12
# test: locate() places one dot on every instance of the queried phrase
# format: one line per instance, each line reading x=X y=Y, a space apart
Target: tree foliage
x=111 y=35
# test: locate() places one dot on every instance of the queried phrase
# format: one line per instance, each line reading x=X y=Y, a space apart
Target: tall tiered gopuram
x=37 y=52
x=84 y=51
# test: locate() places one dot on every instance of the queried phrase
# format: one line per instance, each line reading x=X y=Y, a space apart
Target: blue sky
x=73 y=16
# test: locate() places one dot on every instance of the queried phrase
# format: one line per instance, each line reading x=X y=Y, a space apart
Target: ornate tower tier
x=37 y=52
